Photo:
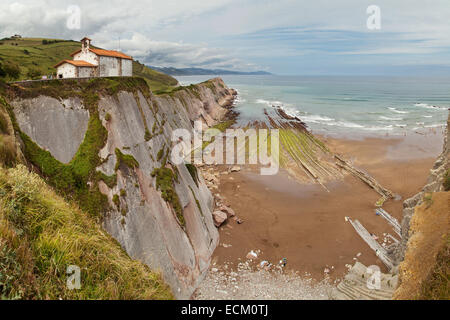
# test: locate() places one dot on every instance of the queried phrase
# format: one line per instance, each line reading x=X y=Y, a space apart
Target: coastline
x=306 y=224
x=285 y=216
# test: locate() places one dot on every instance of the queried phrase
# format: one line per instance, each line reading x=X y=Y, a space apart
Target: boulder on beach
x=230 y=212
x=219 y=217
x=235 y=169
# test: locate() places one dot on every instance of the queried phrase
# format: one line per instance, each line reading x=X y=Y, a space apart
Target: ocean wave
x=397 y=111
x=437 y=125
x=428 y=116
x=428 y=106
x=316 y=118
x=379 y=128
x=390 y=119
x=344 y=124
x=269 y=103
x=291 y=111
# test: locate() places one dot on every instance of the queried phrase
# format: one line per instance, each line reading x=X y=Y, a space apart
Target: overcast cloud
x=283 y=36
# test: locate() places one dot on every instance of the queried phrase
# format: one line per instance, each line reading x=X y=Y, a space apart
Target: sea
x=340 y=105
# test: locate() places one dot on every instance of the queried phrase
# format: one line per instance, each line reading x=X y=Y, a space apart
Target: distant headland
x=200 y=71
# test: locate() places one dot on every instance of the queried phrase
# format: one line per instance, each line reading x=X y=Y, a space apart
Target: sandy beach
x=306 y=224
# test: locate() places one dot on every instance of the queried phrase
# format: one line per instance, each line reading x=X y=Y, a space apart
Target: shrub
x=11 y=69
x=108 y=117
x=34 y=73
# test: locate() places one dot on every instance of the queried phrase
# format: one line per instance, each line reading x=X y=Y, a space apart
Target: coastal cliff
x=435 y=183
x=105 y=143
x=423 y=251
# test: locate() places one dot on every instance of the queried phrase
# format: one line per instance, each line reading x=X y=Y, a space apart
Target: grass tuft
x=41 y=235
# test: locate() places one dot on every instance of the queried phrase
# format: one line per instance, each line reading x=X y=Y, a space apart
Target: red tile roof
x=77 y=63
x=108 y=53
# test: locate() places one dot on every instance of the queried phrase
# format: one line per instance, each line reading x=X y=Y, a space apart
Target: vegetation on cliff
x=41 y=235
x=78 y=179
x=425 y=271
x=165 y=183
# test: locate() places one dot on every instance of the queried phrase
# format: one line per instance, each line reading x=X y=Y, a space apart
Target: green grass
x=33 y=57
x=110 y=181
x=41 y=235
x=165 y=183
x=125 y=160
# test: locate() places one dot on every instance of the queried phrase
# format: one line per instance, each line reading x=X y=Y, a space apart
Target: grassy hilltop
x=37 y=56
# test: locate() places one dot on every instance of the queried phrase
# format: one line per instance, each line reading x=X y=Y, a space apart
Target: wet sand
x=305 y=224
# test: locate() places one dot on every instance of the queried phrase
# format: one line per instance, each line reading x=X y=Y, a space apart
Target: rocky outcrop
x=174 y=234
x=56 y=125
x=434 y=184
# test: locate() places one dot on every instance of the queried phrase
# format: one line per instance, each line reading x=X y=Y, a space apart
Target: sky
x=291 y=37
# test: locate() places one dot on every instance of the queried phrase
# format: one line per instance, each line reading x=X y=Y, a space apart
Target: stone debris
x=356 y=285
x=228 y=210
x=219 y=218
x=222 y=209
x=252 y=255
x=245 y=283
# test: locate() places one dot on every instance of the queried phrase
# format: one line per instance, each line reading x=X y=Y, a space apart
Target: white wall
x=85 y=72
x=67 y=70
x=87 y=56
x=109 y=66
x=127 y=68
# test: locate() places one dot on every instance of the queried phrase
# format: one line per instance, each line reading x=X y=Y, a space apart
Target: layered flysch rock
x=139 y=126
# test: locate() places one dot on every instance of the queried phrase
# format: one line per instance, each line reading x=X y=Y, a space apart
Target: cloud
x=175 y=54
x=283 y=35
